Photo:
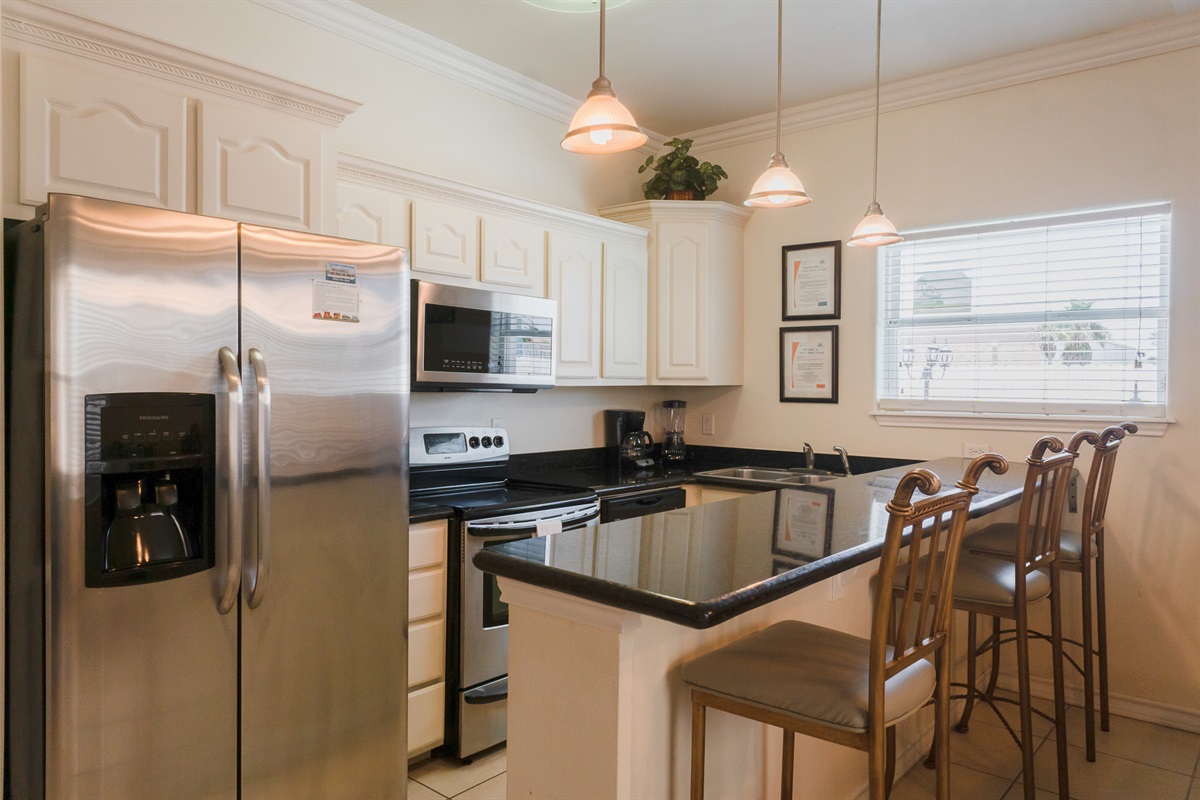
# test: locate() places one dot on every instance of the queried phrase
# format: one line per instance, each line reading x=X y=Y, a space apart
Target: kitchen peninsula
x=601 y=618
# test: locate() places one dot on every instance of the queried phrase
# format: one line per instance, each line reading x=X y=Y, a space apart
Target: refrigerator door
x=141 y=686
x=324 y=589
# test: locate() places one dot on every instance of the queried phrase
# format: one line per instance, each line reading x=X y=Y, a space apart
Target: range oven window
x=442 y=443
x=495 y=610
x=470 y=340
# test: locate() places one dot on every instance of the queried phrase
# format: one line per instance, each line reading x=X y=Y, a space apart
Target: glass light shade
x=875 y=230
x=778 y=187
x=602 y=124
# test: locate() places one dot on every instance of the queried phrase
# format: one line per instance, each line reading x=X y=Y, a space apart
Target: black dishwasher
x=636 y=504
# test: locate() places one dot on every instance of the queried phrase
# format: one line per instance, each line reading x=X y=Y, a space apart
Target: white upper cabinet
x=625 y=306
x=108 y=114
x=96 y=132
x=371 y=215
x=576 y=283
x=695 y=289
x=512 y=255
x=445 y=240
x=263 y=168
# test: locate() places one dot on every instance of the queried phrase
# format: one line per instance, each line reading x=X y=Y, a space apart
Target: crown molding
x=678 y=211
x=57 y=30
x=390 y=37
x=410 y=183
x=1127 y=44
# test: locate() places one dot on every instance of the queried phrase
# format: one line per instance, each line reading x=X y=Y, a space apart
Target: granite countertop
x=703 y=565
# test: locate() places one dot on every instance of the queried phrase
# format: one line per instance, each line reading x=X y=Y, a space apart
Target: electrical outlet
x=708 y=424
x=974 y=450
x=497 y=422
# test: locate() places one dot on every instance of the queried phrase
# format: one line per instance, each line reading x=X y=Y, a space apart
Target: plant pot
x=682 y=194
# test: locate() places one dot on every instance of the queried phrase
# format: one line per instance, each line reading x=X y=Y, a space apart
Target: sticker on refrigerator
x=335 y=297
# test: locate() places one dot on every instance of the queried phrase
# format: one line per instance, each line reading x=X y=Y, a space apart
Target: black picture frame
x=810 y=354
x=812 y=281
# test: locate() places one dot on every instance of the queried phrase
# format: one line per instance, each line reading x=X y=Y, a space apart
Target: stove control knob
x=498 y=441
x=487 y=441
x=473 y=442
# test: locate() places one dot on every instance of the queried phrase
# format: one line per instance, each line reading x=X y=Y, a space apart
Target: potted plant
x=679 y=175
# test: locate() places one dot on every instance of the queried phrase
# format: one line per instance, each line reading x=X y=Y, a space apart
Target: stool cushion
x=1000 y=539
x=810 y=672
x=984 y=579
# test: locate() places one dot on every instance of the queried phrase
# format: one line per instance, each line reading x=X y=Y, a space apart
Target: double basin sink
x=764 y=475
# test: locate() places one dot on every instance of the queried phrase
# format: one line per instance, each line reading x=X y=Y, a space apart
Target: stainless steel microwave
x=468 y=339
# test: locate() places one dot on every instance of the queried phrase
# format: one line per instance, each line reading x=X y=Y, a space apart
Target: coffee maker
x=626 y=432
x=671 y=417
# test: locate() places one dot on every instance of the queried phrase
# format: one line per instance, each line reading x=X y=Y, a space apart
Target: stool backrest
x=914 y=622
x=1104 y=461
x=1039 y=522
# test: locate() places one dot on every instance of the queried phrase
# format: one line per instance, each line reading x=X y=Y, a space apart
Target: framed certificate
x=812 y=281
x=803 y=523
x=808 y=365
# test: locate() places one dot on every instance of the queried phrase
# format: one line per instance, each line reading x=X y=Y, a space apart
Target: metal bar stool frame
x=915 y=628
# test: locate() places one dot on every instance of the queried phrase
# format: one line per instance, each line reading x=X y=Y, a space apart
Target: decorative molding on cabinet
x=63 y=32
x=364 y=171
x=679 y=211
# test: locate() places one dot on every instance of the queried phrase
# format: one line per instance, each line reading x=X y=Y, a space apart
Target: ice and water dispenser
x=150 y=486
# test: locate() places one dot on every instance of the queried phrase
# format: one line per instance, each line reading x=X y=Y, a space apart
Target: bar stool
x=1005 y=587
x=845 y=689
x=1077 y=554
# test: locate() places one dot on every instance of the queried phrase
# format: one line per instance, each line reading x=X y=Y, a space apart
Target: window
x=1064 y=315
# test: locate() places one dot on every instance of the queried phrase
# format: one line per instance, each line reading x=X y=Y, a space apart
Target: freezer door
x=324 y=589
x=140 y=680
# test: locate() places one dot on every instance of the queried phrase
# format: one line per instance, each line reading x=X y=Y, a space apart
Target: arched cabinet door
x=575 y=274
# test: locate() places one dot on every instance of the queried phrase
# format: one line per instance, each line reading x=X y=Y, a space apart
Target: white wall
x=1108 y=136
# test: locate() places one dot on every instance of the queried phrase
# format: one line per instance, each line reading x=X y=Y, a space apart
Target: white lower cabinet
x=426 y=635
x=698 y=494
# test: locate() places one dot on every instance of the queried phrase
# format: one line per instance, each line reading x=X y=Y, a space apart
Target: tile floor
x=1134 y=761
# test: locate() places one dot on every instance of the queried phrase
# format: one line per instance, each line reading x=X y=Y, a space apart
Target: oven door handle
x=493 y=692
x=488 y=530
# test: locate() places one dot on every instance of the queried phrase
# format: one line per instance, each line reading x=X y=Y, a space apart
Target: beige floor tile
x=965 y=784
x=494 y=789
x=1041 y=726
x=1017 y=792
x=1110 y=777
x=449 y=779
x=1139 y=741
x=988 y=748
x=419 y=791
x=1194 y=794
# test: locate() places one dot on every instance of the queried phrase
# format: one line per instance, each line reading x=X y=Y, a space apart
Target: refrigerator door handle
x=258 y=578
x=233 y=525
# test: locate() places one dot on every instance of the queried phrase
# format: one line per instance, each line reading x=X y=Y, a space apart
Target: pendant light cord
x=601 y=38
x=778 y=80
x=878 y=38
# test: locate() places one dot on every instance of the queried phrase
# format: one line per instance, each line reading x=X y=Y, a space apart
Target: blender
x=671 y=417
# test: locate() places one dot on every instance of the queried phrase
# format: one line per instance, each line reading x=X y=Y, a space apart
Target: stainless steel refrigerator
x=207 y=527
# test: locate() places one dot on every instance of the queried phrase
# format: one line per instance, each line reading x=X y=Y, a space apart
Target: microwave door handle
x=257 y=578
x=233 y=468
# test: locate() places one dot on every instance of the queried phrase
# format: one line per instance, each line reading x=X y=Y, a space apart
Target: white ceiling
x=685 y=65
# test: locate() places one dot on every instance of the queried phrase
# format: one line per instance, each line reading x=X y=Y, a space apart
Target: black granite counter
x=703 y=565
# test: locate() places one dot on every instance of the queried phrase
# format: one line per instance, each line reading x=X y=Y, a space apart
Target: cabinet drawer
x=426 y=544
x=426 y=718
x=426 y=652
x=426 y=594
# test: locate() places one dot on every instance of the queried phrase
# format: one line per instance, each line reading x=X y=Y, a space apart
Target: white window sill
x=1041 y=423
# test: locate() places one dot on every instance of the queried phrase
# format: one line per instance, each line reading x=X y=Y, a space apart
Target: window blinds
x=1066 y=315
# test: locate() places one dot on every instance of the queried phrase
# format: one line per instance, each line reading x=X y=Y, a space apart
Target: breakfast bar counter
x=601 y=618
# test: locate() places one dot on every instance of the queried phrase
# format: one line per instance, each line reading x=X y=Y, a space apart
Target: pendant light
x=875 y=230
x=778 y=187
x=602 y=124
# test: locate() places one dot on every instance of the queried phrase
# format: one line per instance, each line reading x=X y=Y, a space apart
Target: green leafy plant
x=679 y=175
x=1076 y=337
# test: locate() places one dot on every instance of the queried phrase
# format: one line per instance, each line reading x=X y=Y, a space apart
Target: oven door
x=484 y=623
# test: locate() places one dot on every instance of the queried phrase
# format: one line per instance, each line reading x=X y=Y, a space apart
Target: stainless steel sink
x=747 y=473
x=808 y=477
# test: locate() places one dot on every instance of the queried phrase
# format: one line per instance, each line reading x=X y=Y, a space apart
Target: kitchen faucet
x=809 y=458
x=841 y=451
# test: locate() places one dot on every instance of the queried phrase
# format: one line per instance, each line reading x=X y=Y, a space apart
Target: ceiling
x=682 y=66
